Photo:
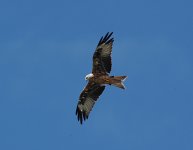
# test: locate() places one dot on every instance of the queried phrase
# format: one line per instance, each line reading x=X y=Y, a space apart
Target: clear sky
x=46 y=50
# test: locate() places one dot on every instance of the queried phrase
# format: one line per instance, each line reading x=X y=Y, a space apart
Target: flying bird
x=99 y=78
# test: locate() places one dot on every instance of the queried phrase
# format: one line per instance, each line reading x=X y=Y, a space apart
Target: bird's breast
x=101 y=80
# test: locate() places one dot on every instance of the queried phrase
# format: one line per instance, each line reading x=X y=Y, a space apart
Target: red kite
x=99 y=78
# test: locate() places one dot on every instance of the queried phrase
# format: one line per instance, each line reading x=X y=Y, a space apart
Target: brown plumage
x=99 y=78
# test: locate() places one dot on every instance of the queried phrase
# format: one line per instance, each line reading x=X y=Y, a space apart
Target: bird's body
x=99 y=78
x=108 y=80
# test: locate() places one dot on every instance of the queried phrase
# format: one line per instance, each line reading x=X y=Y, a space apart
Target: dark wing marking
x=102 y=57
x=87 y=100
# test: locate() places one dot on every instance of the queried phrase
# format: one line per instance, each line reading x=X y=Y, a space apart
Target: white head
x=88 y=76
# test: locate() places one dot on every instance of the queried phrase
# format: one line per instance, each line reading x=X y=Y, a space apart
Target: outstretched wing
x=87 y=100
x=102 y=55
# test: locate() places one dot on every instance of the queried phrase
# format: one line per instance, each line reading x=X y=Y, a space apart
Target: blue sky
x=46 y=50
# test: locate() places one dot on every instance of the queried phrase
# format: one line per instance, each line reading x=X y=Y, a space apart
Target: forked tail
x=118 y=81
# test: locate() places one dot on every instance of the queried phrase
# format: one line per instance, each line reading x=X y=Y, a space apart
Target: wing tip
x=106 y=39
x=81 y=115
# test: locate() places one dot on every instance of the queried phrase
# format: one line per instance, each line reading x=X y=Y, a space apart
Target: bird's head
x=88 y=76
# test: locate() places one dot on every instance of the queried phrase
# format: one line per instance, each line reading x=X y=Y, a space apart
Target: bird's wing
x=87 y=100
x=102 y=55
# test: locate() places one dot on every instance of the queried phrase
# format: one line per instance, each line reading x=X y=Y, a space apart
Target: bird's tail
x=118 y=81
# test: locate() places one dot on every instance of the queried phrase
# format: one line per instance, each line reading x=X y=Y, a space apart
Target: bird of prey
x=99 y=78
